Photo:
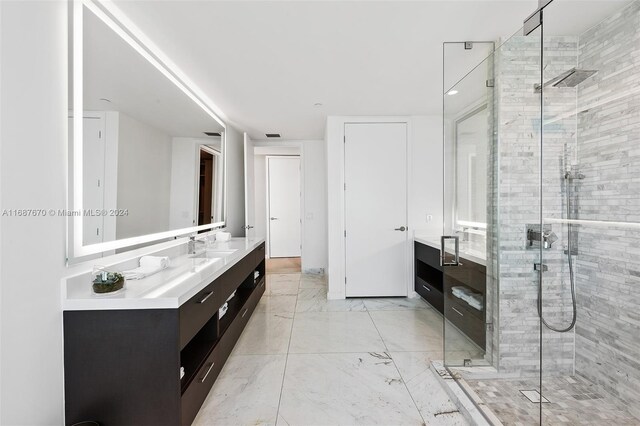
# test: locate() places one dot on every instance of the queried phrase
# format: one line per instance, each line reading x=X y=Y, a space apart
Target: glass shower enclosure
x=541 y=237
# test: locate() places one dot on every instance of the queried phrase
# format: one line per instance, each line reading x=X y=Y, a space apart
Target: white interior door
x=284 y=206
x=376 y=209
x=249 y=187
x=93 y=183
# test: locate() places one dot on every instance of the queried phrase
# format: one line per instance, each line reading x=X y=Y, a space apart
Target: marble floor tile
x=418 y=330
x=247 y=392
x=320 y=304
x=307 y=281
x=345 y=389
x=283 y=278
x=281 y=287
x=432 y=401
x=324 y=332
x=283 y=303
x=266 y=333
x=312 y=293
x=395 y=304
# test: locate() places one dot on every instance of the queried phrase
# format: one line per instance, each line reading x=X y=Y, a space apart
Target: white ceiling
x=266 y=63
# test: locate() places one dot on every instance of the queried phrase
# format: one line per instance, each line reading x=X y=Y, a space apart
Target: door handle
x=248 y=227
x=401 y=229
x=273 y=218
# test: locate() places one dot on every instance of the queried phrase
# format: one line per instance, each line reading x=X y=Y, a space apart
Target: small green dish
x=108 y=282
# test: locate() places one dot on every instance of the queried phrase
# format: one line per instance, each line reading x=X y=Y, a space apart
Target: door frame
x=336 y=218
x=268 y=204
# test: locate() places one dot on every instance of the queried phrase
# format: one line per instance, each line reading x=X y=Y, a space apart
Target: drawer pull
x=207 y=373
x=457 y=311
x=245 y=312
x=425 y=287
x=208 y=295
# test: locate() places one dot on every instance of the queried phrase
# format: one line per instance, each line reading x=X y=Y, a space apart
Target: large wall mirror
x=148 y=155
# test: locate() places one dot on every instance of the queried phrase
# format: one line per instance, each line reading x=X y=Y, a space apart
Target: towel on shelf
x=472 y=298
x=149 y=265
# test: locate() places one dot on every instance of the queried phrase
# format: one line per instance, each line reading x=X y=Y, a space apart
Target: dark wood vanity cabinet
x=428 y=275
x=122 y=367
x=435 y=284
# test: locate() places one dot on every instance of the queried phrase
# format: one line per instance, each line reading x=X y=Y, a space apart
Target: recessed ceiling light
x=272 y=135
x=105 y=100
x=452 y=92
x=317 y=104
x=212 y=133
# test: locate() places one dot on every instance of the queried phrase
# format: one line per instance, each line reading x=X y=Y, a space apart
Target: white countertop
x=168 y=289
x=474 y=252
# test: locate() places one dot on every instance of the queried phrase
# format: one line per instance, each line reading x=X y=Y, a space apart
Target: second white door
x=376 y=209
x=284 y=206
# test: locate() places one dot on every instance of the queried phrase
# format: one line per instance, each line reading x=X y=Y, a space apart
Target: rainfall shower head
x=570 y=78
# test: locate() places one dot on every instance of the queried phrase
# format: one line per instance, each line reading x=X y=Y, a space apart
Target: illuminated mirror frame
x=117 y=22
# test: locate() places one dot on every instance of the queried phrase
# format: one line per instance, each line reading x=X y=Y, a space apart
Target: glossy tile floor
x=306 y=360
x=283 y=265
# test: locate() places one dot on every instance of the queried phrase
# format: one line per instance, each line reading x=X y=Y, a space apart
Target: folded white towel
x=149 y=265
x=223 y=310
x=162 y=261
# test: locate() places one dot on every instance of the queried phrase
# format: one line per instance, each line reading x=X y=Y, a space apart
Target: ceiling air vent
x=272 y=135
x=212 y=133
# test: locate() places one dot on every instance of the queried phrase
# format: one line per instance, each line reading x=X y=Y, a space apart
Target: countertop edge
x=107 y=304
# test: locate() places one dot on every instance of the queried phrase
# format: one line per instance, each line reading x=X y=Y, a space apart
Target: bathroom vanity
x=123 y=353
x=439 y=286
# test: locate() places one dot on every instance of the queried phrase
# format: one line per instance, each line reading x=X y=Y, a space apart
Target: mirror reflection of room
x=144 y=143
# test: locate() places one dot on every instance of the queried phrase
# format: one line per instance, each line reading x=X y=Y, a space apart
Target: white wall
x=33 y=165
x=144 y=163
x=314 y=212
x=425 y=187
x=235 y=181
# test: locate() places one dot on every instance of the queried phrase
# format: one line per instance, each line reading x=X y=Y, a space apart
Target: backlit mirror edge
x=76 y=251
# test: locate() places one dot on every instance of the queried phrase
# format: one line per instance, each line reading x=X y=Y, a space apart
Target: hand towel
x=149 y=265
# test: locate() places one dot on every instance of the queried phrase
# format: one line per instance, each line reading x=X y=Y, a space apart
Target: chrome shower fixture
x=570 y=78
x=572 y=176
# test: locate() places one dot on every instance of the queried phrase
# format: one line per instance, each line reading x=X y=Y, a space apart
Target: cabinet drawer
x=428 y=255
x=197 y=392
x=431 y=294
x=259 y=254
x=466 y=322
x=197 y=311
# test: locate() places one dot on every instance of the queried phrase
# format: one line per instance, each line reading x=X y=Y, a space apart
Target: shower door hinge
x=490 y=82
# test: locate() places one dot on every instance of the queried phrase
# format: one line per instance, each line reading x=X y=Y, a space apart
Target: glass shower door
x=492 y=192
x=589 y=298
x=468 y=112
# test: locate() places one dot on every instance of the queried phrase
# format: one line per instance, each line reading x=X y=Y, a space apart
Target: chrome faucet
x=465 y=233
x=191 y=247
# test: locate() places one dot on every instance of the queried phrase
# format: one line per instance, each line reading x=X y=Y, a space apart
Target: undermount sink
x=213 y=254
